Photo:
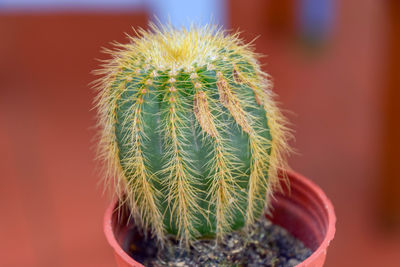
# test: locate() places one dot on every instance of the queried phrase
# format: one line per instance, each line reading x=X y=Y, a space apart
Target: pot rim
x=331 y=227
x=108 y=231
x=330 y=233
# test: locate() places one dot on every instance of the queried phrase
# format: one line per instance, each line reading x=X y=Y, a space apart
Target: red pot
x=304 y=210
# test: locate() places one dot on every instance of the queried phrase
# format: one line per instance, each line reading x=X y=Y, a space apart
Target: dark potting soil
x=265 y=244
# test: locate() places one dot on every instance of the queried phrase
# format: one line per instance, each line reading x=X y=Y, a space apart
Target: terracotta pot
x=304 y=211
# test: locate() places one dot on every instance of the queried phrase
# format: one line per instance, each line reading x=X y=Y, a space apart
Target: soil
x=265 y=244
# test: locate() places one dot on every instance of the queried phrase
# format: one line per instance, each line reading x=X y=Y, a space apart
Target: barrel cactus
x=190 y=133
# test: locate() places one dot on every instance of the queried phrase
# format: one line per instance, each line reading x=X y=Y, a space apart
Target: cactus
x=190 y=133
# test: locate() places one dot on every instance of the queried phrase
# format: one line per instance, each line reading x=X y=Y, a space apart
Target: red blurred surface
x=51 y=203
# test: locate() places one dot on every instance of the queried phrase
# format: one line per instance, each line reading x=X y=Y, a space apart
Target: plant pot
x=304 y=210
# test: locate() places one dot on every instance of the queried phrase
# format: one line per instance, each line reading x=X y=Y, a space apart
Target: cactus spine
x=190 y=133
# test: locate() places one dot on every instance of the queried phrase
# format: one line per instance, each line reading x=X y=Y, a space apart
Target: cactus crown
x=190 y=133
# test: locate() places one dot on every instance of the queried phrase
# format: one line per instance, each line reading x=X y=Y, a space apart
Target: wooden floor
x=51 y=203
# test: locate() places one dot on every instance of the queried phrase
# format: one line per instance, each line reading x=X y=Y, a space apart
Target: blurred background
x=336 y=68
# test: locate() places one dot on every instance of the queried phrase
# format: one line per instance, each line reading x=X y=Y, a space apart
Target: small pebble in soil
x=265 y=244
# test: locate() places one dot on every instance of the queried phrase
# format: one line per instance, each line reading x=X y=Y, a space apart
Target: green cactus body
x=190 y=132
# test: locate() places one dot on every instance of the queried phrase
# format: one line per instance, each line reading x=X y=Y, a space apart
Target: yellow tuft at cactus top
x=191 y=138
